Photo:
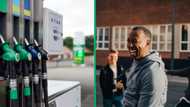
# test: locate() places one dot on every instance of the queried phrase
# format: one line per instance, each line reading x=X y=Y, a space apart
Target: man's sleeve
x=148 y=87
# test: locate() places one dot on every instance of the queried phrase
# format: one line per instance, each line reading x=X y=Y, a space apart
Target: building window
x=184 y=38
x=154 y=31
x=103 y=35
x=161 y=37
x=119 y=39
x=169 y=38
x=162 y=41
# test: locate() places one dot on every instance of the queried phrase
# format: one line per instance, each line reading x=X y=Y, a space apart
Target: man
x=112 y=81
x=146 y=80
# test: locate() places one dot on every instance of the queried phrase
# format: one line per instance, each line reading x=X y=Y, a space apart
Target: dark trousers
x=115 y=100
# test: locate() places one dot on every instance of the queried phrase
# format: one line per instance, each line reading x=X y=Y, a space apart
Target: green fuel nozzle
x=8 y=53
x=9 y=57
x=23 y=54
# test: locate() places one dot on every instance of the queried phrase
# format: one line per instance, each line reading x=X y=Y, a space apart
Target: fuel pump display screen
x=27 y=11
x=16 y=7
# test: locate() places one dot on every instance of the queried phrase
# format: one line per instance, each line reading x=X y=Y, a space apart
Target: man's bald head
x=146 y=32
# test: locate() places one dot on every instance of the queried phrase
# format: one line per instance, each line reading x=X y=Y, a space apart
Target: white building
x=53 y=32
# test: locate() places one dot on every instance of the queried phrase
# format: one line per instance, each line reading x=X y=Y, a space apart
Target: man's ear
x=148 y=42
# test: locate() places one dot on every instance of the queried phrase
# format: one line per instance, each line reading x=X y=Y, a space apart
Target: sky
x=78 y=15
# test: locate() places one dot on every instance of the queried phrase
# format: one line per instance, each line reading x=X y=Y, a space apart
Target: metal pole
x=173 y=33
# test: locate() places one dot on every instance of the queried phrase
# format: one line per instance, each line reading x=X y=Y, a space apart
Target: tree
x=68 y=42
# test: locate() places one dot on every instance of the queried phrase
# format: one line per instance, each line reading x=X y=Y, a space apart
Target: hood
x=153 y=56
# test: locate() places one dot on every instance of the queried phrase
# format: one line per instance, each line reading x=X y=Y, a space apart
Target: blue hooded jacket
x=146 y=83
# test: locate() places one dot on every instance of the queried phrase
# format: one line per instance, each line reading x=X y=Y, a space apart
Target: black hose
x=27 y=100
x=37 y=85
x=45 y=82
x=13 y=90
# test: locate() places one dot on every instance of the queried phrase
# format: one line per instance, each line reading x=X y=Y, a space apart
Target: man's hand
x=119 y=85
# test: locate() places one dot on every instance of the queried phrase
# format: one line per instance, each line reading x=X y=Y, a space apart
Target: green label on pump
x=14 y=94
x=27 y=91
x=3 y=5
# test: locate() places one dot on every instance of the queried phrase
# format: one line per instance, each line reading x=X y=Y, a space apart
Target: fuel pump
x=44 y=58
x=36 y=57
x=25 y=58
x=10 y=57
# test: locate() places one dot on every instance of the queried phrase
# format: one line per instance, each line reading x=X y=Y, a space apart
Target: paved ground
x=83 y=74
x=176 y=89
